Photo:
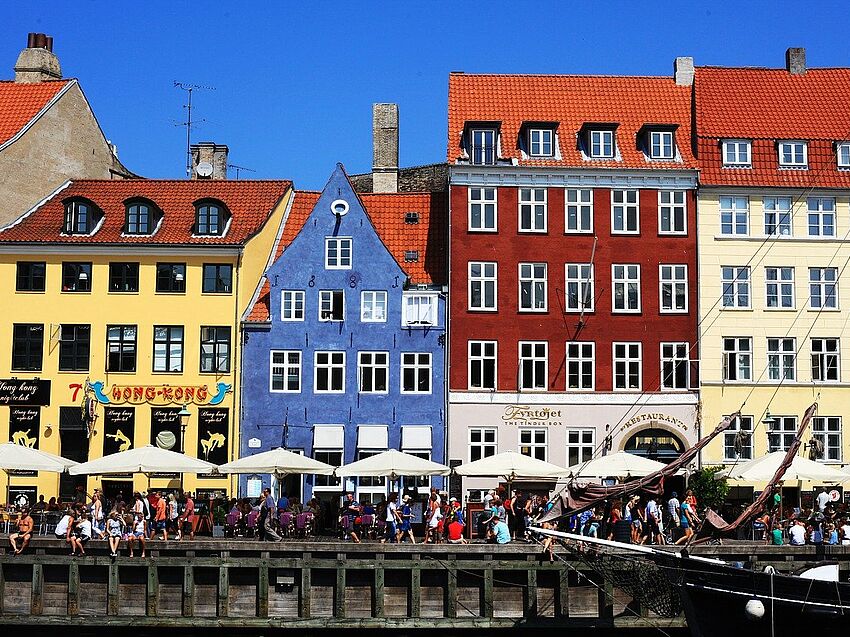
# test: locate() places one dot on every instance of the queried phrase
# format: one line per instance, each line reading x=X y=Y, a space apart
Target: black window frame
x=168 y=341
x=125 y=354
x=71 y=280
x=132 y=218
x=205 y=224
x=26 y=279
x=210 y=336
x=167 y=272
x=26 y=348
x=74 y=222
x=212 y=274
x=123 y=279
x=76 y=349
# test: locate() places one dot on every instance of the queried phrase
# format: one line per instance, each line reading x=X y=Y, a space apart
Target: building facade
x=572 y=315
x=344 y=344
x=774 y=217
x=125 y=301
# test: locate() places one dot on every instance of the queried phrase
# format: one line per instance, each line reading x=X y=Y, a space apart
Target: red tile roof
x=250 y=203
x=766 y=105
x=387 y=212
x=20 y=102
x=571 y=101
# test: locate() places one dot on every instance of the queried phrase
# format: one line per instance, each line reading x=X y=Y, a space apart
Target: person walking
x=392 y=518
x=406 y=528
x=160 y=517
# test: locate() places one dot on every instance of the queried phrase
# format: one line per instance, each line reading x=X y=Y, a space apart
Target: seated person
x=499 y=533
x=25 y=525
x=456 y=532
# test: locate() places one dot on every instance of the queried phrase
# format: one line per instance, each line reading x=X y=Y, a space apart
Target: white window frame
x=621 y=280
x=485 y=203
x=628 y=203
x=367 y=365
x=797 y=152
x=537 y=147
x=819 y=289
x=326 y=300
x=781 y=359
x=294 y=297
x=828 y=429
x=535 y=440
x=623 y=354
x=283 y=368
x=738 y=281
x=778 y=220
x=661 y=139
x=778 y=289
x=339 y=262
x=488 y=443
x=675 y=203
x=782 y=430
x=529 y=201
x=821 y=356
x=481 y=359
x=335 y=482
x=736 y=214
x=740 y=423
x=675 y=277
x=474 y=147
x=418 y=367
x=820 y=222
x=675 y=354
x=741 y=349
x=579 y=288
x=484 y=282
x=535 y=360
x=598 y=141
x=842 y=155
x=329 y=368
x=741 y=150
x=412 y=305
x=580 y=355
x=530 y=277
x=370 y=302
x=583 y=441
x=576 y=202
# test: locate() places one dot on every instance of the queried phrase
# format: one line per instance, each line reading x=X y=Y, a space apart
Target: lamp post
x=184 y=414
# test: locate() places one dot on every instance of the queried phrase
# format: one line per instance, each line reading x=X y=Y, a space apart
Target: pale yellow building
x=133 y=289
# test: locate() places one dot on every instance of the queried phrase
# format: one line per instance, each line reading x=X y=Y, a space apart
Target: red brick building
x=573 y=266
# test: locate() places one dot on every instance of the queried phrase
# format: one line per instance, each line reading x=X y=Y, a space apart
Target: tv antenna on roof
x=188 y=123
x=238 y=168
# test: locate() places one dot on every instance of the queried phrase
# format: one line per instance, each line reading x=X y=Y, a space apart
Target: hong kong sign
x=14 y=391
x=158 y=394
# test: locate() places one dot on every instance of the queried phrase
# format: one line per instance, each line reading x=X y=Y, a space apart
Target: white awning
x=415 y=437
x=373 y=437
x=328 y=437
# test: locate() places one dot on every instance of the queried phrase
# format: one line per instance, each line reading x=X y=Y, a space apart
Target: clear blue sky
x=295 y=81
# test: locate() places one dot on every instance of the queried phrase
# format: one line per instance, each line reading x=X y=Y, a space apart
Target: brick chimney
x=683 y=71
x=209 y=160
x=795 y=60
x=385 y=148
x=37 y=63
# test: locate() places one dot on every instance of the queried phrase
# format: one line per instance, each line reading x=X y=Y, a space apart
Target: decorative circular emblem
x=339 y=207
x=166 y=440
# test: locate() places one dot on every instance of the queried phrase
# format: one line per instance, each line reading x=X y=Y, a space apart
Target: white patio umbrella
x=147 y=460
x=278 y=461
x=763 y=468
x=392 y=464
x=14 y=457
x=621 y=465
x=511 y=465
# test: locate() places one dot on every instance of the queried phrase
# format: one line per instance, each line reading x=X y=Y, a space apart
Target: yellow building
x=774 y=223
x=129 y=294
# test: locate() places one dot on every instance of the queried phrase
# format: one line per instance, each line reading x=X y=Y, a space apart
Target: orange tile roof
x=20 y=102
x=249 y=202
x=766 y=105
x=571 y=101
x=387 y=211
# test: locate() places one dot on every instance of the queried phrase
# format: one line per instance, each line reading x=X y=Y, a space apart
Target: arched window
x=141 y=217
x=210 y=218
x=80 y=217
x=655 y=444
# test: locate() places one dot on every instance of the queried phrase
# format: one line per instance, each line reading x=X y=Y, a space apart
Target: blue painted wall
x=269 y=416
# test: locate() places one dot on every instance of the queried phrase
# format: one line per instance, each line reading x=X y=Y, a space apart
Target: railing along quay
x=245 y=584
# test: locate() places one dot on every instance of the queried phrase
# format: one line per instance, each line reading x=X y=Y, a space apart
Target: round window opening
x=339 y=207
x=655 y=444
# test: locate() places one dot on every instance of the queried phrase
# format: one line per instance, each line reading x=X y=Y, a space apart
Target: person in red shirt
x=159 y=517
x=185 y=519
x=456 y=532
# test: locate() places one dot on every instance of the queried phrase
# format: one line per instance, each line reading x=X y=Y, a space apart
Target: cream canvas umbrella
x=511 y=465
x=392 y=464
x=280 y=462
x=621 y=465
x=147 y=460
x=763 y=468
x=14 y=457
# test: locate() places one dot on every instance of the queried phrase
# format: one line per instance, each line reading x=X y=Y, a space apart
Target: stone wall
x=429 y=178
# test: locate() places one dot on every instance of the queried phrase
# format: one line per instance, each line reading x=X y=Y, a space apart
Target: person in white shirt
x=64 y=527
x=797 y=532
x=653 y=519
x=81 y=534
x=845 y=532
x=823 y=499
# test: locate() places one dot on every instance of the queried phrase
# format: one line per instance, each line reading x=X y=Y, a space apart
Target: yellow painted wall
x=147 y=308
x=800 y=252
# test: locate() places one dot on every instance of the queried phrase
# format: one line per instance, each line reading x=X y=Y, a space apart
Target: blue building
x=344 y=346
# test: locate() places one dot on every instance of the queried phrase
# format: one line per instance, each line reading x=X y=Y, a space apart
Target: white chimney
x=683 y=71
x=37 y=62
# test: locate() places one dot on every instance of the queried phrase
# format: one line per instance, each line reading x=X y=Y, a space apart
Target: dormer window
x=598 y=141
x=842 y=155
x=661 y=144
x=81 y=216
x=141 y=217
x=793 y=154
x=481 y=141
x=737 y=153
x=210 y=218
x=541 y=142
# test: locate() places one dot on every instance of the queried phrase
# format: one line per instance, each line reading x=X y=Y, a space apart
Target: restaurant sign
x=158 y=394
x=14 y=391
x=525 y=415
x=653 y=418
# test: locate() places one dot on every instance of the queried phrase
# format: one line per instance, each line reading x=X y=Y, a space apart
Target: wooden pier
x=313 y=585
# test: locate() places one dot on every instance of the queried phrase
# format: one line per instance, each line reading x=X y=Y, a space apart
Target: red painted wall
x=508 y=247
